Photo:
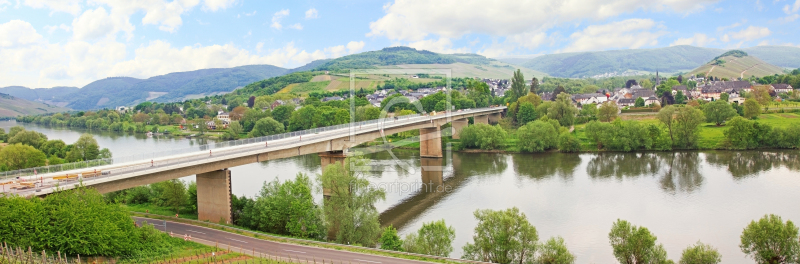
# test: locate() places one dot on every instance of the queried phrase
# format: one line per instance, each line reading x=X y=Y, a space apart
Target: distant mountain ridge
x=735 y=64
x=397 y=56
x=668 y=59
x=11 y=106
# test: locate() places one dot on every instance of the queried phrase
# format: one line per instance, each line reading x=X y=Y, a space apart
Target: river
x=681 y=197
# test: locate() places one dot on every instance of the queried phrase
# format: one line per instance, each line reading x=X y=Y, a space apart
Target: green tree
x=235 y=129
x=286 y=208
x=55 y=147
x=390 y=240
x=483 y=136
x=526 y=113
x=537 y=136
x=700 y=254
x=518 y=88
x=568 y=143
x=282 y=113
x=304 y=118
x=718 y=112
x=687 y=126
x=680 y=98
x=191 y=192
x=555 y=251
x=174 y=194
x=18 y=156
x=724 y=97
x=751 y=109
x=265 y=127
x=667 y=116
x=563 y=110
x=86 y=148
x=502 y=237
x=639 y=102
x=608 y=111
x=434 y=238
x=635 y=245
x=771 y=241
x=30 y=138
x=350 y=209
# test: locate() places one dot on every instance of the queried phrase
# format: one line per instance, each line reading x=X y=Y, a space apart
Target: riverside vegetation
x=28 y=149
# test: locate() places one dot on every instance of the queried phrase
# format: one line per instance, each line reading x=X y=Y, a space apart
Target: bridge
x=211 y=162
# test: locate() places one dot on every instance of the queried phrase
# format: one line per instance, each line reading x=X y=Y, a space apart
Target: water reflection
x=545 y=165
x=471 y=164
x=745 y=164
x=622 y=165
x=681 y=171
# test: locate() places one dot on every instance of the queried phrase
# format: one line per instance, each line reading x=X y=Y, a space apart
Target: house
x=122 y=109
x=276 y=104
x=708 y=93
x=652 y=100
x=643 y=93
x=332 y=98
x=548 y=97
x=782 y=88
x=680 y=88
x=596 y=100
x=626 y=102
x=225 y=117
x=582 y=98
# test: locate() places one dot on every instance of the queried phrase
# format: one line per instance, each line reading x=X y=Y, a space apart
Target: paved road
x=248 y=244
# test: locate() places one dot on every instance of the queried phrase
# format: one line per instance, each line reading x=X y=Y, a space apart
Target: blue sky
x=45 y=43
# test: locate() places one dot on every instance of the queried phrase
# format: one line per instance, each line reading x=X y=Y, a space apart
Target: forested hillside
x=398 y=55
x=783 y=56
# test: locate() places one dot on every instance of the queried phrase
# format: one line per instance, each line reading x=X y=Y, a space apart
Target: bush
x=537 y=136
x=568 y=143
x=620 y=135
x=483 y=136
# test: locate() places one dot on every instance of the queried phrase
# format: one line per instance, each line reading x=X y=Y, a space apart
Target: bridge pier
x=457 y=126
x=214 y=196
x=481 y=119
x=328 y=158
x=495 y=118
x=430 y=142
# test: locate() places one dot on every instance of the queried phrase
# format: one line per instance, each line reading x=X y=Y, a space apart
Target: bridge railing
x=210 y=147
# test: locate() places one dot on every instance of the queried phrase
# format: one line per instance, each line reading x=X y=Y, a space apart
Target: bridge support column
x=432 y=175
x=328 y=158
x=494 y=118
x=430 y=142
x=482 y=119
x=214 y=196
x=458 y=125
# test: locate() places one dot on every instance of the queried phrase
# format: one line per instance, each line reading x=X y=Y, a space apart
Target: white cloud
x=297 y=26
x=788 y=9
x=51 y=29
x=732 y=26
x=214 y=5
x=93 y=24
x=276 y=18
x=68 y=6
x=442 y=45
x=16 y=33
x=751 y=33
x=167 y=16
x=355 y=46
x=3 y=4
x=725 y=38
x=699 y=39
x=631 y=33
x=312 y=13
x=415 y=20
x=789 y=18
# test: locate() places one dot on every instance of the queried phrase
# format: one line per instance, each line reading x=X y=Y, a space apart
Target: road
x=248 y=245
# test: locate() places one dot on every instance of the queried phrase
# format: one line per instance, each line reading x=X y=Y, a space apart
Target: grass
x=159 y=210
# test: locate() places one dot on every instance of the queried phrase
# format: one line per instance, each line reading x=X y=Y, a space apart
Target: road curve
x=248 y=244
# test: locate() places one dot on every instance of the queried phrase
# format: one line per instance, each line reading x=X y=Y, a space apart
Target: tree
x=483 y=136
x=537 y=136
x=502 y=237
x=563 y=110
x=304 y=118
x=518 y=85
x=235 y=129
x=568 y=143
x=265 y=127
x=86 y=148
x=251 y=101
x=635 y=245
x=680 y=98
x=761 y=94
x=174 y=194
x=647 y=84
x=667 y=99
x=237 y=113
x=687 y=125
x=282 y=113
x=608 y=111
x=559 y=90
x=630 y=83
x=724 y=97
x=700 y=254
x=680 y=79
x=751 y=108
x=771 y=241
x=526 y=113
x=141 y=118
x=285 y=208
x=718 y=112
x=555 y=251
x=390 y=240
x=434 y=238
x=350 y=209
x=666 y=115
x=18 y=156
x=534 y=85
x=639 y=102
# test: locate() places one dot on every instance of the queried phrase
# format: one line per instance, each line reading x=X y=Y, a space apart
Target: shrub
x=483 y=136
x=568 y=143
x=537 y=136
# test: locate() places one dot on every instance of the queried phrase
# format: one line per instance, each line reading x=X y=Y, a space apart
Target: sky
x=46 y=43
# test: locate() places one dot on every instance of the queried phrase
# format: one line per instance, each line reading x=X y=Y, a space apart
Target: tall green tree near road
x=235 y=128
x=285 y=208
x=563 y=110
x=555 y=251
x=518 y=85
x=18 y=156
x=635 y=245
x=607 y=111
x=350 y=210
x=434 y=238
x=770 y=240
x=174 y=194
x=700 y=254
x=390 y=240
x=751 y=108
x=534 y=85
x=718 y=112
x=503 y=236
x=86 y=148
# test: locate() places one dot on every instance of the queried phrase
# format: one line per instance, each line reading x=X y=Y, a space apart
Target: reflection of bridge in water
x=211 y=164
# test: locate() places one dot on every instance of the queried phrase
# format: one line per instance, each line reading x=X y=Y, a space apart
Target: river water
x=681 y=197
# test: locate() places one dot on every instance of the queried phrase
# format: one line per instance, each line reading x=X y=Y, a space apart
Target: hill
x=783 y=56
x=399 y=56
x=52 y=96
x=736 y=64
x=588 y=64
x=11 y=106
